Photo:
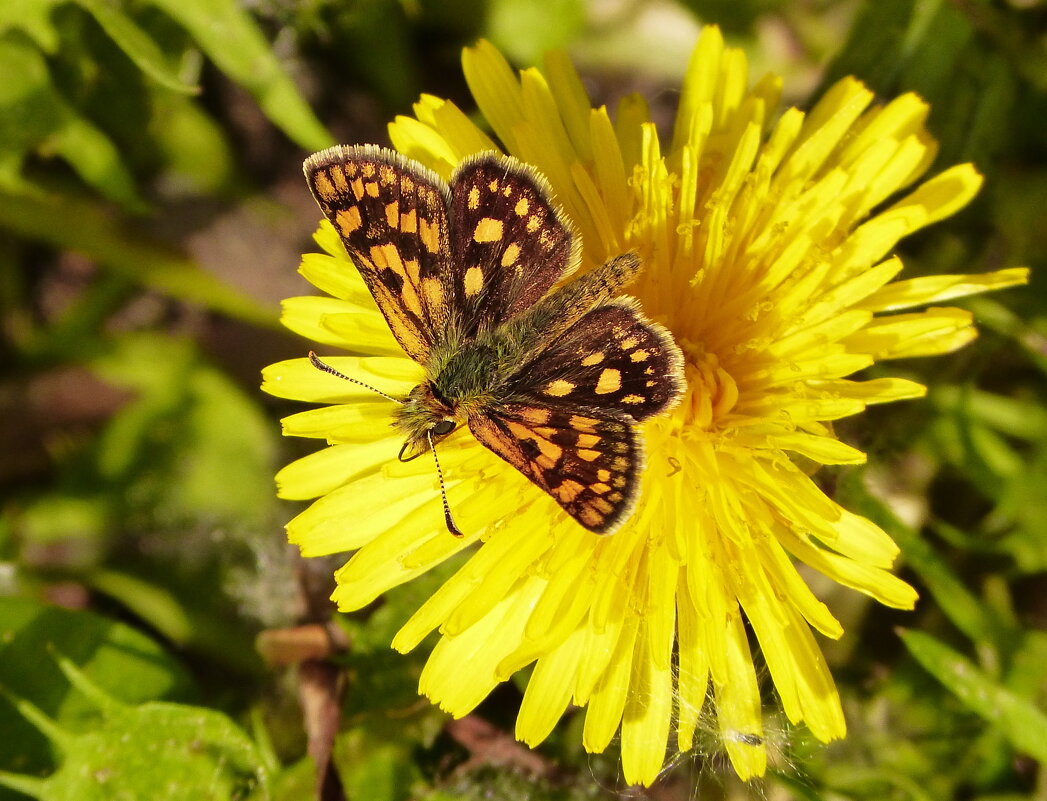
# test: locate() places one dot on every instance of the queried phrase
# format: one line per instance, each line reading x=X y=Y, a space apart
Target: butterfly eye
x=443 y=427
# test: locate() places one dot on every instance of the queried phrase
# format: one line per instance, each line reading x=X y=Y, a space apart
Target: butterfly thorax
x=469 y=372
x=464 y=378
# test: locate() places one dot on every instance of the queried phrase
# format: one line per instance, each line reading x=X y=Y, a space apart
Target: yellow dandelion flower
x=767 y=241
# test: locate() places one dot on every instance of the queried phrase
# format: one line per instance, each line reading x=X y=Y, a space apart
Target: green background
x=152 y=213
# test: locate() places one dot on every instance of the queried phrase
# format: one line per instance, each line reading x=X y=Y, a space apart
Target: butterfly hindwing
x=613 y=359
x=391 y=214
x=567 y=419
x=509 y=244
x=589 y=461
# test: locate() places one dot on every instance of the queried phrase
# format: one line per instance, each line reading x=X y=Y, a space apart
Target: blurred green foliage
x=149 y=163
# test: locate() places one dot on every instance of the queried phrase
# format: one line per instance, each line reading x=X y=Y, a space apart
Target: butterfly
x=554 y=381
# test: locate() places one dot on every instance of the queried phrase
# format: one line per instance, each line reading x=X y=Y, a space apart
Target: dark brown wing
x=587 y=460
x=567 y=420
x=391 y=214
x=509 y=243
x=612 y=359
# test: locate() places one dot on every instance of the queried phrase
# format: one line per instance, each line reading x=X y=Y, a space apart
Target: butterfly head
x=423 y=418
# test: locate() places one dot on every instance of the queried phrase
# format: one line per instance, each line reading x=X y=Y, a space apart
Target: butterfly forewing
x=510 y=243
x=392 y=217
x=589 y=461
x=612 y=359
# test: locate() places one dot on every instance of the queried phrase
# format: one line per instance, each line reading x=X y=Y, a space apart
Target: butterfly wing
x=566 y=420
x=510 y=243
x=588 y=460
x=391 y=214
x=613 y=358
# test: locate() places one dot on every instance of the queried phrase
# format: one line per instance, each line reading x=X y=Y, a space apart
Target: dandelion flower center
x=711 y=393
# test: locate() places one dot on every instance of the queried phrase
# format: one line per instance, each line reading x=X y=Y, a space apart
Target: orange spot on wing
x=348 y=220
x=512 y=253
x=536 y=416
x=610 y=381
x=580 y=423
x=590 y=517
x=338 y=176
x=545 y=462
x=323 y=185
x=568 y=490
x=378 y=256
x=413 y=270
x=558 y=388
x=434 y=293
x=473 y=281
x=488 y=230
x=430 y=234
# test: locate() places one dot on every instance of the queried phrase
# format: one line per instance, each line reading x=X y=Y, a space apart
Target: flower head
x=766 y=239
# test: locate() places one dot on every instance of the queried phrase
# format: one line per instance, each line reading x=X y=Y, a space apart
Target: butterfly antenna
x=320 y=365
x=443 y=490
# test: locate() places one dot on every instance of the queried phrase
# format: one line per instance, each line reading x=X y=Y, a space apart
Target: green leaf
x=96 y=160
x=141 y=49
x=930 y=47
x=882 y=39
x=118 y=658
x=35 y=116
x=375 y=768
x=1024 y=676
x=525 y=29
x=1022 y=510
x=33 y=17
x=149 y=602
x=975 y=619
x=233 y=41
x=736 y=17
x=107 y=241
x=1017 y=418
x=157 y=750
x=188 y=424
x=1024 y=725
x=375 y=41
x=198 y=155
